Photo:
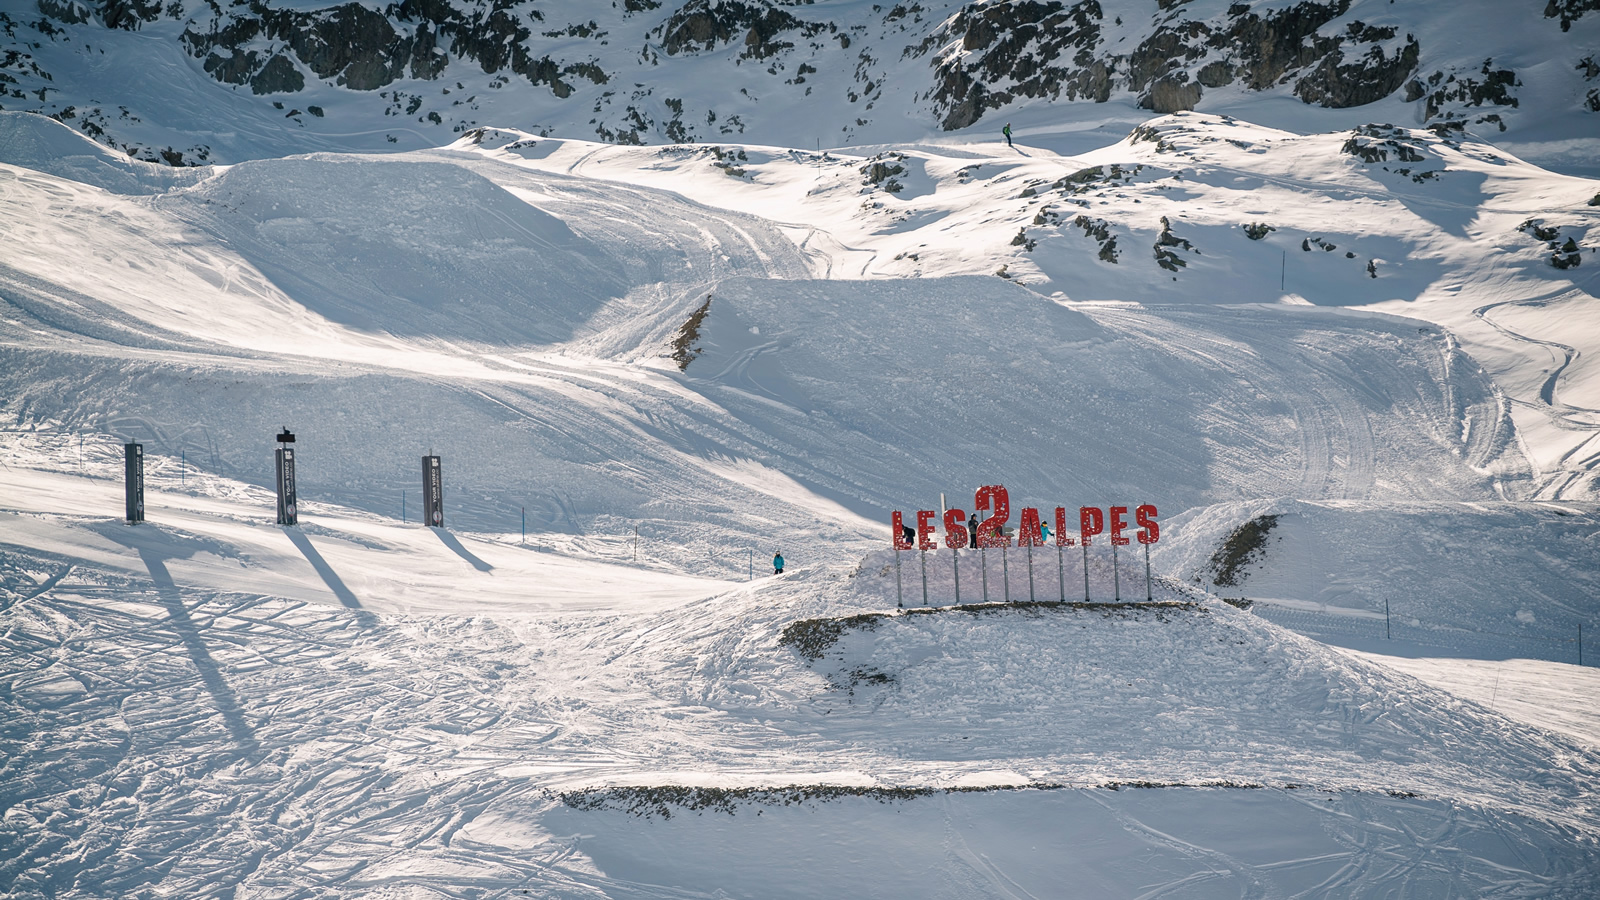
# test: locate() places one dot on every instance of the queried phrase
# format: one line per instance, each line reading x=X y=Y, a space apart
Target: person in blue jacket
x=777 y=563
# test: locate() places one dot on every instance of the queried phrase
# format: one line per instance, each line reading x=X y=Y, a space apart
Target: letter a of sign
x=432 y=492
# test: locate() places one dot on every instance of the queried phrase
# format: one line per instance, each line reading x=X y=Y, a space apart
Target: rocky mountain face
x=647 y=71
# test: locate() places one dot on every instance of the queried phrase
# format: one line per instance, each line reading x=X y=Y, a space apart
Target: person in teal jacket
x=777 y=563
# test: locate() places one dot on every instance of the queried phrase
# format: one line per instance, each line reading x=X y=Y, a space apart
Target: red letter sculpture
x=1119 y=521
x=1146 y=517
x=901 y=542
x=1028 y=534
x=925 y=528
x=1061 y=529
x=1090 y=523
x=991 y=531
x=955 y=529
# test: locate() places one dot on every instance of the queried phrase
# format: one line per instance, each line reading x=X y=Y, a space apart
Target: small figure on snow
x=972 y=532
x=909 y=533
x=777 y=563
x=1044 y=531
x=1007 y=132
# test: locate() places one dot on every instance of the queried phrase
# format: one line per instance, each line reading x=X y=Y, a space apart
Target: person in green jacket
x=1007 y=132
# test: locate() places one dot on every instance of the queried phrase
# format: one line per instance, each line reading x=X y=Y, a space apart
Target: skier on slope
x=777 y=563
x=1007 y=132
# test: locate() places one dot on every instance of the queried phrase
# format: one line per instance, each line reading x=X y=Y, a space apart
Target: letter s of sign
x=955 y=529
x=925 y=528
x=899 y=526
x=1145 y=516
x=1119 y=521
x=991 y=531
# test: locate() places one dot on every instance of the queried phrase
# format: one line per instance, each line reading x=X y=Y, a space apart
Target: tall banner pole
x=133 y=463
x=1005 y=570
x=1116 y=581
x=983 y=558
x=1147 y=595
x=955 y=565
x=432 y=492
x=288 y=506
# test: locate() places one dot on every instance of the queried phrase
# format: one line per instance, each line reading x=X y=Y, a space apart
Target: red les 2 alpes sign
x=991 y=531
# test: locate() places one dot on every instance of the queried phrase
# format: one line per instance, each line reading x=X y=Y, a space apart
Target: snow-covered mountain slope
x=666 y=364
x=184 y=712
x=1196 y=209
x=231 y=81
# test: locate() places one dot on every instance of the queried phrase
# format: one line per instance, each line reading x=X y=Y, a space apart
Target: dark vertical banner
x=288 y=507
x=133 y=462
x=432 y=492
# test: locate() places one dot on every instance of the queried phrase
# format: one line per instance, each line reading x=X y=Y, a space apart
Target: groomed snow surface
x=608 y=705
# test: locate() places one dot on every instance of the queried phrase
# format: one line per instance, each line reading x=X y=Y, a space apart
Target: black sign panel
x=432 y=492
x=134 y=483
x=288 y=508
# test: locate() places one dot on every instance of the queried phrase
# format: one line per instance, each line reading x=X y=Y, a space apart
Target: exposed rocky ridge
x=622 y=72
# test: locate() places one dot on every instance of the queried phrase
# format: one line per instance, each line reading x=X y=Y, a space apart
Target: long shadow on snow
x=155 y=547
x=324 y=571
x=449 y=540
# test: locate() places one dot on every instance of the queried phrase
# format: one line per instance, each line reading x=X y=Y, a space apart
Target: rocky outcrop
x=703 y=25
x=1041 y=49
x=1046 y=49
x=1569 y=11
x=358 y=48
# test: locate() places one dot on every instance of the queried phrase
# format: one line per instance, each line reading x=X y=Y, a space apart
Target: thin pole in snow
x=1147 y=596
x=752 y=565
x=899 y=592
x=955 y=564
x=1116 y=581
x=1386 y=618
x=983 y=556
x=1283 y=270
x=1030 y=570
x=402 y=506
x=1061 y=573
x=1005 y=570
x=635 y=543
x=923 y=555
x=1580 y=643
x=1086 y=570
x=524 y=511
x=80 y=453
x=183 y=466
